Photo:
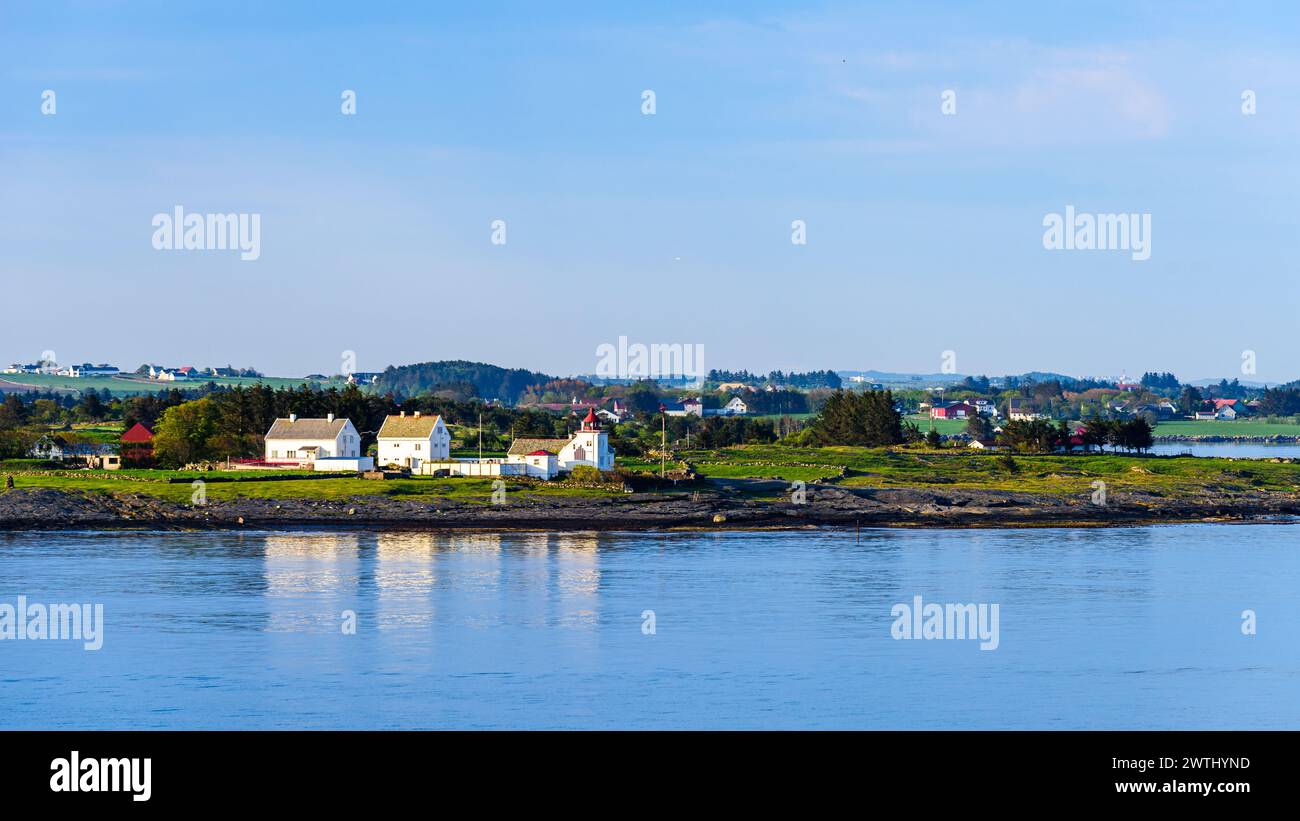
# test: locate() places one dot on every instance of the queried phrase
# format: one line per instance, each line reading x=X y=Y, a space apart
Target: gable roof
x=138 y=433
x=408 y=427
x=306 y=429
x=526 y=447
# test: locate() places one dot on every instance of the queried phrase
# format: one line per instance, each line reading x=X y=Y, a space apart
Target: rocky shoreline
x=727 y=507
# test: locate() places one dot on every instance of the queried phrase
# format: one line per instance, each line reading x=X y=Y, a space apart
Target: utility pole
x=480 y=437
x=663 y=445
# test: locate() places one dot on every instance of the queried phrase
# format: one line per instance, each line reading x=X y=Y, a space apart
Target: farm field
x=947 y=427
x=106 y=432
x=128 y=385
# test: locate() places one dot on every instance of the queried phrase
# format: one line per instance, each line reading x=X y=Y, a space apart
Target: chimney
x=293 y=417
x=329 y=417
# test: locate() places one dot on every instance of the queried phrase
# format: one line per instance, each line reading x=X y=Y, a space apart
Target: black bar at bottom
x=330 y=770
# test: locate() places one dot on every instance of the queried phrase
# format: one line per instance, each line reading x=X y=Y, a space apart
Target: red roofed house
x=1228 y=408
x=542 y=462
x=137 y=445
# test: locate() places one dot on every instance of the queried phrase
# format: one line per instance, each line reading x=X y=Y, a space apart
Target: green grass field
x=1177 y=427
x=153 y=483
x=913 y=466
x=947 y=427
x=1223 y=427
x=128 y=385
x=648 y=465
x=962 y=468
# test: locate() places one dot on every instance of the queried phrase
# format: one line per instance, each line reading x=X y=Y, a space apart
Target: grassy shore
x=1175 y=427
x=225 y=485
x=960 y=468
x=912 y=467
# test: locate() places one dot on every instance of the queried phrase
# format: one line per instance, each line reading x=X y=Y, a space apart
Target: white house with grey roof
x=296 y=441
x=409 y=440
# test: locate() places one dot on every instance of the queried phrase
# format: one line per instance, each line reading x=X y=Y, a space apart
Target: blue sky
x=924 y=230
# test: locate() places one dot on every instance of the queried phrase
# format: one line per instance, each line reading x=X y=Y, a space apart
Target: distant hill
x=1046 y=376
x=913 y=380
x=1203 y=383
x=924 y=380
x=488 y=381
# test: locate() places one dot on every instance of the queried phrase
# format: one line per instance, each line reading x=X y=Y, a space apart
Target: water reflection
x=1136 y=627
x=405 y=573
x=577 y=580
x=310 y=578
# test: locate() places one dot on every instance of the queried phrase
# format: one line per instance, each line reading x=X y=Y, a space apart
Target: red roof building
x=955 y=410
x=138 y=435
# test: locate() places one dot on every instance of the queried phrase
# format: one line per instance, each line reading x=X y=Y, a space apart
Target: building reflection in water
x=405 y=576
x=310 y=579
x=577 y=579
x=413 y=581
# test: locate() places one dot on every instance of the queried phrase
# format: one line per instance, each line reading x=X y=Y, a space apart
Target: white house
x=1020 y=411
x=986 y=408
x=88 y=370
x=406 y=441
x=164 y=375
x=689 y=407
x=736 y=407
x=589 y=446
x=616 y=414
x=295 y=441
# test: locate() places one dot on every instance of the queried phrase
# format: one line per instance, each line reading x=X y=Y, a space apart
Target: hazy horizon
x=925 y=230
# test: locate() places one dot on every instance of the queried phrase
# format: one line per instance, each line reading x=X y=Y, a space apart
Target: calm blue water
x=1229 y=450
x=1098 y=628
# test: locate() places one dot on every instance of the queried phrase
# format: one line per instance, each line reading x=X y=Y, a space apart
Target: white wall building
x=407 y=441
x=736 y=407
x=547 y=457
x=303 y=441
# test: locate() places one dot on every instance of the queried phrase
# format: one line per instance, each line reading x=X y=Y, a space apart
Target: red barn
x=953 y=410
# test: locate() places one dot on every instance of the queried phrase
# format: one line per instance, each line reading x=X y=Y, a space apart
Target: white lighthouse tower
x=589 y=446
